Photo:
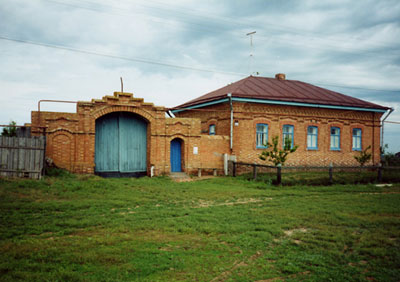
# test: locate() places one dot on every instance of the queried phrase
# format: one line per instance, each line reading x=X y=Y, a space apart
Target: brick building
x=121 y=135
x=328 y=127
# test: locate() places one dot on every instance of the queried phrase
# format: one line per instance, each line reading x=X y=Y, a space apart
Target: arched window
x=312 y=138
x=357 y=139
x=335 y=138
x=288 y=133
x=261 y=135
x=211 y=129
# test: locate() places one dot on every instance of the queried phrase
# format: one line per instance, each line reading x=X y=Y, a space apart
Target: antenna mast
x=251 y=51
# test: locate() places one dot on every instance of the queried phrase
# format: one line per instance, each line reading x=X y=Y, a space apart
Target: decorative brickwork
x=71 y=136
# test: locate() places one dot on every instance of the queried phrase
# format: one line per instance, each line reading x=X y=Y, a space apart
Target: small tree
x=274 y=154
x=363 y=156
x=10 y=130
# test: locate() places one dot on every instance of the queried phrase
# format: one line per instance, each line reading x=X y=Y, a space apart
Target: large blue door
x=132 y=144
x=121 y=145
x=106 y=146
x=176 y=156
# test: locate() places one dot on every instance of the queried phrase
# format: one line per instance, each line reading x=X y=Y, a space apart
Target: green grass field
x=85 y=228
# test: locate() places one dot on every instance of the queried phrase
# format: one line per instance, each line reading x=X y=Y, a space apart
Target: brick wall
x=71 y=136
x=212 y=149
x=247 y=115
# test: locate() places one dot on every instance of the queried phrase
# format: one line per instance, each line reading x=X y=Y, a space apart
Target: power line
x=245 y=23
x=394 y=122
x=122 y=12
x=324 y=47
x=147 y=61
x=229 y=21
x=356 y=87
x=139 y=60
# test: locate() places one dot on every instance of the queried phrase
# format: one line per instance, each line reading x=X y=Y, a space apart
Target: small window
x=261 y=135
x=288 y=131
x=312 y=138
x=211 y=129
x=357 y=139
x=335 y=138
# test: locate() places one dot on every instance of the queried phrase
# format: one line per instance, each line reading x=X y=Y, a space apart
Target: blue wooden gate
x=176 y=155
x=121 y=145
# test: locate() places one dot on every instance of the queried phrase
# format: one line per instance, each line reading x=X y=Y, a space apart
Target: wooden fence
x=22 y=157
x=253 y=168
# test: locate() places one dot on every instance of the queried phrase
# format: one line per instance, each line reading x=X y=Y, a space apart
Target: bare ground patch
x=297 y=230
x=207 y=204
x=289 y=233
x=191 y=179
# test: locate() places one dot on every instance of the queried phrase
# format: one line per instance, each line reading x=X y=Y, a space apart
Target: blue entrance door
x=121 y=145
x=176 y=155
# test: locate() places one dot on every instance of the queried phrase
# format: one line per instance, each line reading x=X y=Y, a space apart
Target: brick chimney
x=280 y=76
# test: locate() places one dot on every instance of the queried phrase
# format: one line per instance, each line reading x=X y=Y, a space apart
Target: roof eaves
x=280 y=102
x=313 y=105
x=201 y=105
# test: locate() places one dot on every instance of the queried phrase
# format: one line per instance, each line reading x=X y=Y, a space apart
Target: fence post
x=330 y=173
x=234 y=169
x=254 y=171
x=279 y=174
x=380 y=173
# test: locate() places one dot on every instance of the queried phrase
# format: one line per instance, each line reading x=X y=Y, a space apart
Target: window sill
x=335 y=150
x=261 y=148
x=356 y=150
x=312 y=149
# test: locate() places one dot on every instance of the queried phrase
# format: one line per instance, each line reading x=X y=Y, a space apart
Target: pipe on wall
x=231 y=134
x=383 y=125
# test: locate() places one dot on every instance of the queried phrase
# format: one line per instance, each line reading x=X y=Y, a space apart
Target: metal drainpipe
x=373 y=138
x=231 y=137
x=383 y=125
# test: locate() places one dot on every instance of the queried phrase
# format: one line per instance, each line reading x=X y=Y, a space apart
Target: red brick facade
x=247 y=115
x=71 y=136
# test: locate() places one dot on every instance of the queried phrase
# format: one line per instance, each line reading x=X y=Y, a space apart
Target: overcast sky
x=169 y=52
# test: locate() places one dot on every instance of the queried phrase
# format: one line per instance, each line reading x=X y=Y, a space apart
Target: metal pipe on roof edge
x=54 y=101
x=231 y=137
x=383 y=125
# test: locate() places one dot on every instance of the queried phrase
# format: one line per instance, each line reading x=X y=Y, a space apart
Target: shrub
x=364 y=156
x=10 y=130
x=274 y=154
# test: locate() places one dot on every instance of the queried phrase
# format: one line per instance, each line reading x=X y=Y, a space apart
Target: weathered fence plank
x=234 y=170
x=22 y=156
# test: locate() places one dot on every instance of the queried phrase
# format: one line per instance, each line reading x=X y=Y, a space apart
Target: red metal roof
x=265 y=88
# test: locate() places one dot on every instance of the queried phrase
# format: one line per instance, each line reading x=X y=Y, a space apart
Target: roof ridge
x=286 y=91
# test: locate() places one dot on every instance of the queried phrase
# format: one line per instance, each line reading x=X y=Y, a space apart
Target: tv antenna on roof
x=251 y=51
